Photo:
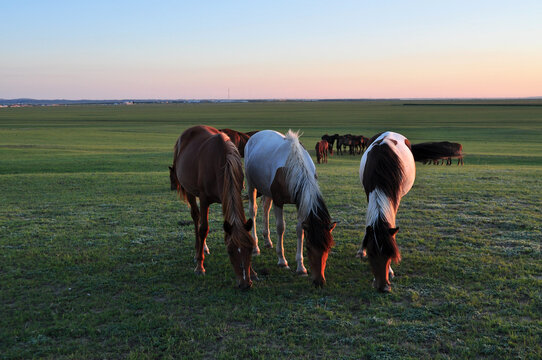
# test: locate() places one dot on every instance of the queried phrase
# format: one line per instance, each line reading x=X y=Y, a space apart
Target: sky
x=270 y=49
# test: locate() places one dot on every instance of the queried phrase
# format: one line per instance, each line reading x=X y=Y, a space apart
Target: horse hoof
x=245 y=287
x=269 y=245
x=302 y=272
x=362 y=253
x=199 y=271
x=284 y=266
x=385 y=289
x=206 y=250
x=256 y=252
x=318 y=283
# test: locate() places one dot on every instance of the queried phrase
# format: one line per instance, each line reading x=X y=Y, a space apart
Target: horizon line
x=278 y=99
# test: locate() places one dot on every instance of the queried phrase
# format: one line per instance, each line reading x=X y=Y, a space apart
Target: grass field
x=96 y=251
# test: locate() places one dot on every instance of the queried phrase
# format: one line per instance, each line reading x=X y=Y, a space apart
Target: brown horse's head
x=240 y=244
x=381 y=250
x=173 y=177
x=318 y=242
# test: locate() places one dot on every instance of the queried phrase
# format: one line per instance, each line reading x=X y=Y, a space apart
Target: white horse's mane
x=301 y=181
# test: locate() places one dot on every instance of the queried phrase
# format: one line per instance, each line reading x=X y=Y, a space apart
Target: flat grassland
x=96 y=253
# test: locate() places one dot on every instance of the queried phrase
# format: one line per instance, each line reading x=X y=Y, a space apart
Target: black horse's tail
x=436 y=150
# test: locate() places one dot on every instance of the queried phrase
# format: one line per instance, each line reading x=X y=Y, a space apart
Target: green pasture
x=96 y=253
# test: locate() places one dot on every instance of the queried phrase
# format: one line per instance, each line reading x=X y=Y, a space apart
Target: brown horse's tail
x=232 y=203
x=176 y=151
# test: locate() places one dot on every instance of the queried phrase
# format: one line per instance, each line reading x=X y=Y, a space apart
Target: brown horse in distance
x=321 y=151
x=238 y=138
x=250 y=133
x=206 y=164
x=331 y=140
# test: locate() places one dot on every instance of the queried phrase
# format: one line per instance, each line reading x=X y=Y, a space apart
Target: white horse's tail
x=302 y=185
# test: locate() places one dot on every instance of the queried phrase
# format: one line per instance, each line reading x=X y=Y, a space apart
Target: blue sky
x=280 y=49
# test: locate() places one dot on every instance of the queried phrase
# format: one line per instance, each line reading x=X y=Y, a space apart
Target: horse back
x=265 y=153
x=200 y=159
x=388 y=164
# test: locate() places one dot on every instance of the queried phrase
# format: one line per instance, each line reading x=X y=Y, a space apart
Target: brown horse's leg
x=194 y=212
x=203 y=231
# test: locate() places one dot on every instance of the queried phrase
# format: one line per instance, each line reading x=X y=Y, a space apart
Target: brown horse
x=331 y=140
x=250 y=133
x=238 y=138
x=321 y=151
x=206 y=164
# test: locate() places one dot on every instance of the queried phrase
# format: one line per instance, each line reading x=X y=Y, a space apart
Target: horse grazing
x=331 y=140
x=432 y=152
x=279 y=168
x=342 y=142
x=321 y=151
x=387 y=172
x=238 y=138
x=206 y=164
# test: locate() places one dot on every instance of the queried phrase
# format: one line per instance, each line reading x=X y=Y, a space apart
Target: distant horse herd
x=207 y=165
x=428 y=153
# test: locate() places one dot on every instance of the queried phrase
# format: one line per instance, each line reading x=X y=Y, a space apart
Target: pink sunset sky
x=282 y=49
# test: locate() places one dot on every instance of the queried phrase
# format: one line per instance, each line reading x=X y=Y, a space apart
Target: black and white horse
x=387 y=172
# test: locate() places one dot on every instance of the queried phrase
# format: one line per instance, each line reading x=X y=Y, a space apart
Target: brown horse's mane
x=232 y=203
x=318 y=224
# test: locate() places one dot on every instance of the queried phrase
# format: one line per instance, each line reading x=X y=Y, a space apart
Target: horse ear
x=393 y=231
x=227 y=227
x=332 y=226
x=248 y=225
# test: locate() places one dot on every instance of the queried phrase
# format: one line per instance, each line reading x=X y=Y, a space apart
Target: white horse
x=387 y=172
x=279 y=168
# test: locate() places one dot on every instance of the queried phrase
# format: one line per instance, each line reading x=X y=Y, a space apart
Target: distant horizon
x=272 y=99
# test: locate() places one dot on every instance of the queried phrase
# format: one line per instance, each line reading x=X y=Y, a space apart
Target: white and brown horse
x=279 y=168
x=387 y=172
x=207 y=165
